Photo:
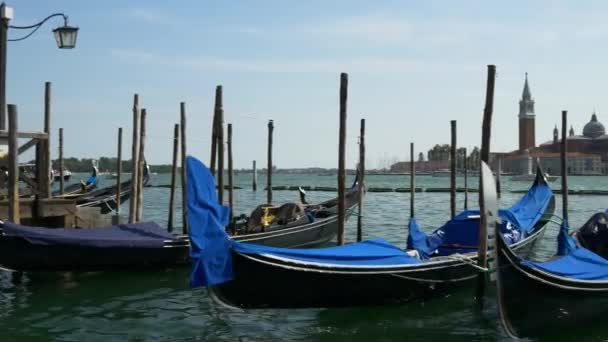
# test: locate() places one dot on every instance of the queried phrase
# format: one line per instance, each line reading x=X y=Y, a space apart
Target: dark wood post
x=486 y=129
x=498 y=171
x=140 y=166
x=214 y=130
x=173 y=178
x=45 y=181
x=183 y=174
x=254 y=182
x=230 y=173
x=466 y=180
x=61 y=166
x=361 y=181
x=453 y=170
x=564 y=165
x=269 y=170
x=342 y=157
x=220 y=144
x=118 y=174
x=13 y=166
x=412 y=180
x=134 y=159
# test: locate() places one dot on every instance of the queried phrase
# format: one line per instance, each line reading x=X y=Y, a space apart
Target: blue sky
x=413 y=67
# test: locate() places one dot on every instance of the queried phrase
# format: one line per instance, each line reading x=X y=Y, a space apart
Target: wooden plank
x=361 y=181
x=220 y=145
x=173 y=178
x=342 y=158
x=182 y=107
x=134 y=159
x=26 y=135
x=31 y=143
x=13 y=166
x=45 y=179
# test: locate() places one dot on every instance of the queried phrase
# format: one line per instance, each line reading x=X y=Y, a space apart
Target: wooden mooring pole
x=254 y=181
x=171 y=219
x=412 y=180
x=220 y=145
x=453 y=170
x=361 y=185
x=13 y=167
x=214 y=130
x=269 y=170
x=466 y=180
x=498 y=172
x=230 y=174
x=564 y=165
x=118 y=174
x=486 y=129
x=45 y=182
x=140 y=166
x=342 y=157
x=61 y=166
x=134 y=160
x=182 y=107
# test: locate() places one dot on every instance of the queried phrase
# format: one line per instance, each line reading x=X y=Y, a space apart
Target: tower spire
x=526 y=104
x=526 y=94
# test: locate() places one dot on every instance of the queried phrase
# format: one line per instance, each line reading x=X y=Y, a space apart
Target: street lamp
x=65 y=36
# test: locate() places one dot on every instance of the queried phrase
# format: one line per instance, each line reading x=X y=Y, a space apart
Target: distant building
x=587 y=153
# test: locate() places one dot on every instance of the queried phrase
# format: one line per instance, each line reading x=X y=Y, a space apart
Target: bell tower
x=526 y=119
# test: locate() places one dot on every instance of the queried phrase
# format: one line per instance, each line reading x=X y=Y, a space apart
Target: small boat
x=79 y=188
x=146 y=245
x=372 y=272
x=530 y=177
x=105 y=198
x=67 y=174
x=442 y=173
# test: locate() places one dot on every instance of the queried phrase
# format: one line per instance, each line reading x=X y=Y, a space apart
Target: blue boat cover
x=580 y=264
x=565 y=242
x=211 y=247
x=461 y=234
x=142 y=235
x=370 y=253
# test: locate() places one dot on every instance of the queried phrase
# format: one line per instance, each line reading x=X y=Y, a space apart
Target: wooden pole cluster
x=269 y=166
x=254 y=181
x=564 y=165
x=220 y=143
x=173 y=178
x=341 y=158
x=230 y=173
x=141 y=160
x=466 y=180
x=134 y=160
x=61 y=166
x=453 y=170
x=13 y=166
x=118 y=174
x=361 y=184
x=182 y=107
x=486 y=128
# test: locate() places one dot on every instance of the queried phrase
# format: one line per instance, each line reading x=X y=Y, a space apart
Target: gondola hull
x=533 y=303
x=283 y=284
x=20 y=255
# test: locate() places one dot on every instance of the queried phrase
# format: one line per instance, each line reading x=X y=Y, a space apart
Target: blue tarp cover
x=210 y=247
x=461 y=234
x=580 y=264
x=144 y=235
x=370 y=253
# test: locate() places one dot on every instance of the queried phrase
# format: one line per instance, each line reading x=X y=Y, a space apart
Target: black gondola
x=25 y=248
x=105 y=198
x=569 y=290
x=80 y=188
x=368 y=273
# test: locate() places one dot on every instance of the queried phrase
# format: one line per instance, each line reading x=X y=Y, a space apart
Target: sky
x=413 y=66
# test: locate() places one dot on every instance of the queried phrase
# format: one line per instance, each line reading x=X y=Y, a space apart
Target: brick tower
x=526 y=119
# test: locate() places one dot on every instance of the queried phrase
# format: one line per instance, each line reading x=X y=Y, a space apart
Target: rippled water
x=160 y=306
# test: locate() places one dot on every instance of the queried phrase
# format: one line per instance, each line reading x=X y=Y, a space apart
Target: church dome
x=594 y=128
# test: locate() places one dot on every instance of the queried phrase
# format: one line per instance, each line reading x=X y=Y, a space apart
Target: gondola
x=79 y=188
x=105 y=198
x=372 y=272
x=144 y=245
x=567 y=291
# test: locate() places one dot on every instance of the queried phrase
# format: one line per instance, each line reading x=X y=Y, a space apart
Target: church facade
x=587 y=152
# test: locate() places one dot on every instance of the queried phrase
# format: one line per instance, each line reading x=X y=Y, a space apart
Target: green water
x=142 y=306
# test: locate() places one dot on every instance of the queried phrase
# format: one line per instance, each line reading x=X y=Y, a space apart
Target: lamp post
x=65 y=36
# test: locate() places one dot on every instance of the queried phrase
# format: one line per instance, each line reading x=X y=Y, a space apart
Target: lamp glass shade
x=66 y=36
